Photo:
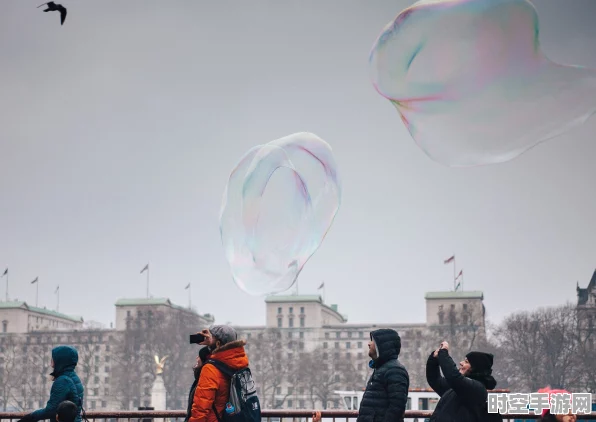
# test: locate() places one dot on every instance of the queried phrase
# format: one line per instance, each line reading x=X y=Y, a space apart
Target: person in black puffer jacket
x=463 y=392
x=386 y=393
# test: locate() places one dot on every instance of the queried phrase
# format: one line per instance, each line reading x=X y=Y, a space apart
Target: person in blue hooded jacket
x=66 y=385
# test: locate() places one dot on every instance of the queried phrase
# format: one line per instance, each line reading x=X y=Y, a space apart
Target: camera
x=197 y=338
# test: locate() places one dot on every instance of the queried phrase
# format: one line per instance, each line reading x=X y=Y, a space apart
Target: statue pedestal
x=158 y=395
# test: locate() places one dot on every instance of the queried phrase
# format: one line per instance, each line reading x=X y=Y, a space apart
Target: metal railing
x=267 y=414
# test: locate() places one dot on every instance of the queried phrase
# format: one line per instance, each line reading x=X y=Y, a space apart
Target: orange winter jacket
x=213 y=386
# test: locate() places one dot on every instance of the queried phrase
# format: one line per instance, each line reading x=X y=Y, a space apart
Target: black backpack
x=243 y=404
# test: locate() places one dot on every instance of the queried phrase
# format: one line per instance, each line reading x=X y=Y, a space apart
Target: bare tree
x=11 y=373
x=270 y=370
x=586 y=348
x=464 y=329
x=154 y=332
x=540 y=348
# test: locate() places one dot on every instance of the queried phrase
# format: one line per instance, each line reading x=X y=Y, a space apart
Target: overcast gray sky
x=118 y=132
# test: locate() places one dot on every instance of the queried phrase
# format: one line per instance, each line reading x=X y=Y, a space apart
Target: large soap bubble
x=279 y=203
x=471 y=83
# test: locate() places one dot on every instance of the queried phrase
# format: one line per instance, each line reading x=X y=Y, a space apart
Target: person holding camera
x=213 y=388
x=463 y=390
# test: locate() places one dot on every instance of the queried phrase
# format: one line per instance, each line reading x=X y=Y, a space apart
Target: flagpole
x=189 y=296
x=148 y=281
x=6 y=284
x=36 y=292
x=454 y=271
x=58 y=300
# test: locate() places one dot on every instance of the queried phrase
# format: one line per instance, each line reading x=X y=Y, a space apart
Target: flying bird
x=53 y=7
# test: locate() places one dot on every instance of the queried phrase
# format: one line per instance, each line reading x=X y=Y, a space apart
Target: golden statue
x=159 y=364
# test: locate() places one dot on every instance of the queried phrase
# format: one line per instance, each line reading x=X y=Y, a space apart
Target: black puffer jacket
x=386 y=393
x=463 y=398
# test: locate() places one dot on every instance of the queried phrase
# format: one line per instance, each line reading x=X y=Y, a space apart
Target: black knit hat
x=481 y=362
x=204 y=354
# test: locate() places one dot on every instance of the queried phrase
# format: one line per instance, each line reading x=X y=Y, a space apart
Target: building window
x=301 y=406
x=302 y=321
x=324 y=345
x=279 y=323
x=325 y=356
x=441 y=319
x=337 y=334
x=4 y=326
x=278 y=390
x=360 y=345
x=290 y=390
x=290 y=334
x=452 y=307
x=301 y=334
x=465 y=306
x=279 y=310
x=348 y=345
x=337 y=344
x=326 y=335
x=291 y=322
x=290 y=403
x=302 y=309
x=291 y=310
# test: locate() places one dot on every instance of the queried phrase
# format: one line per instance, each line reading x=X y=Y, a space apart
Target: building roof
x=144 y=301
x=472 y=294
x=160 y=301
x=23 y=305
x=295 y=298
x=582 y=294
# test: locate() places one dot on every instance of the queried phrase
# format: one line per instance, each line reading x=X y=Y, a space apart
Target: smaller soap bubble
x=279 y=203
x=471 y=83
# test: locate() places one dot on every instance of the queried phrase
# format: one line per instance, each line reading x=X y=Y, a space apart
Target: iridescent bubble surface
x=471 y=83
x=278 y=205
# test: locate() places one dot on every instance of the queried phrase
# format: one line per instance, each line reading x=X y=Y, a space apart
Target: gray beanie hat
x=223 y=333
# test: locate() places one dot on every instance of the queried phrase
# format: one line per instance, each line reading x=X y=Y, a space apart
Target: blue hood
x=65 y=359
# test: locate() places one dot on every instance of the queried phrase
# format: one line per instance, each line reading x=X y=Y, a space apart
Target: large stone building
x=302 y=335
x=586 y=305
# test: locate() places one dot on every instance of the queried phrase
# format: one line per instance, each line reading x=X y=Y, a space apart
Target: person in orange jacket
x=213 y=390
